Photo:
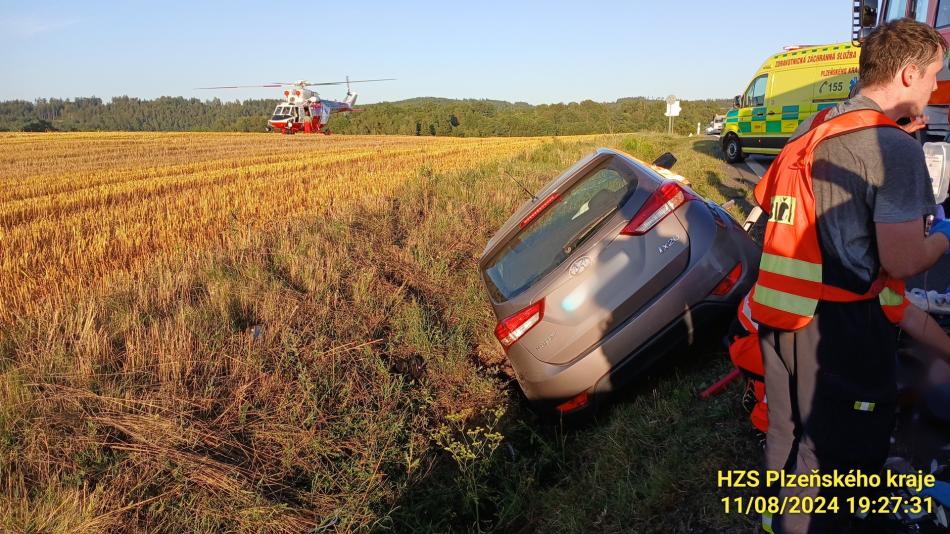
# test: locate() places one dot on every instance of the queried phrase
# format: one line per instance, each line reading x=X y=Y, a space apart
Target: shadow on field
x=705 y=356
x=726 y=187
x=709 y=147
x=337 y=371
x=468 y=453
x=645 y=461
x=737 y=194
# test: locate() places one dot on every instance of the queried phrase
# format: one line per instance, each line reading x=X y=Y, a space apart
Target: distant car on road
x=715 y=127
x=609 y=267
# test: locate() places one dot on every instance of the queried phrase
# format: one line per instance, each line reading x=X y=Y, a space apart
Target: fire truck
x=870 y=13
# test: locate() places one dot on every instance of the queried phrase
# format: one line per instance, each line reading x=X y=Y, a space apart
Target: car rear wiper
x=585 y=231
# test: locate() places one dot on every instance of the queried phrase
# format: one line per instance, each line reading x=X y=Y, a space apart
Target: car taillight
x=666 y=198
x=575 y=403
x=729 y=281
x=511 y=329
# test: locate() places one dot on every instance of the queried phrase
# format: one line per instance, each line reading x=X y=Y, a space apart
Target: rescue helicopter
x=302 y=109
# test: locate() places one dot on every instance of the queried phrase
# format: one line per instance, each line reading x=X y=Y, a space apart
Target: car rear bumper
x=676 y=336
x=636 y=343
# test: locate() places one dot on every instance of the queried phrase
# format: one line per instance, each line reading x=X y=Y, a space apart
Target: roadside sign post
x=672 y=110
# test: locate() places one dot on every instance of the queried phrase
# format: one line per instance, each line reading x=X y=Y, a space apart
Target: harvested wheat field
x=78 y=208
x=261 y=333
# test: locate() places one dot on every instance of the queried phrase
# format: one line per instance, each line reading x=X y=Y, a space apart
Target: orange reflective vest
x=789 y=286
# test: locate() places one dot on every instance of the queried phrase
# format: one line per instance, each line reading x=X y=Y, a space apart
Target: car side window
x=755 y=94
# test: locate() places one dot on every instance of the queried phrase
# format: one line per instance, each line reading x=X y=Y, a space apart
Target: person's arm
x=902 y=200
x=925 y=330
x=916 y=123
x=905 y=251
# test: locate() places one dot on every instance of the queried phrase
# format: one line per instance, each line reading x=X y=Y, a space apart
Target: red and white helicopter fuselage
x=304 y=111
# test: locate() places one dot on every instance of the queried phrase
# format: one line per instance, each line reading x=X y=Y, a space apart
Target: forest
x=416 y=116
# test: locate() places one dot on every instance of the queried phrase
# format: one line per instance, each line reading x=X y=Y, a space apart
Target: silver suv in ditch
x=605 y=270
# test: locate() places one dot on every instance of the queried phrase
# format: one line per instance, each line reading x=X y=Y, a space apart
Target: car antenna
x=523 y=188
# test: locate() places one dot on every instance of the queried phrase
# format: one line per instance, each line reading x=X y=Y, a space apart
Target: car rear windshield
x=564 y=226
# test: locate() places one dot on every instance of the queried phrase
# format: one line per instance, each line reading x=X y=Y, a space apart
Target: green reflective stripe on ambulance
x=767 y=522
x=786 y=302
x=864 y=406
x=803 y=270
x=889 y=297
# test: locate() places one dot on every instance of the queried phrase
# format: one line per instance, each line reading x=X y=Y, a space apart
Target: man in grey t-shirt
x=857 y=184
x=831 y=385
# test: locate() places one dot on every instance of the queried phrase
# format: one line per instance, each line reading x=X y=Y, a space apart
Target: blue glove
x=942 y=227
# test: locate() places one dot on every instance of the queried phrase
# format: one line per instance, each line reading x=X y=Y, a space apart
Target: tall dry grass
x=245 y=333
x=242 y=333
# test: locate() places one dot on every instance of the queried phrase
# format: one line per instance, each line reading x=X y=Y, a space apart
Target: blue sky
x=536 y=52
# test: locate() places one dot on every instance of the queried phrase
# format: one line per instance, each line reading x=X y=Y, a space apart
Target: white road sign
x=672 y=108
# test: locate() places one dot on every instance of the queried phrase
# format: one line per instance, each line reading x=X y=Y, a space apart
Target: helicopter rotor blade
x=282 y=84
x=238 y=86
x=352 y=81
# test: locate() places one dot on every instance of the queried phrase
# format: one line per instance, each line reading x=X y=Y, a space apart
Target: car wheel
x=733 y=149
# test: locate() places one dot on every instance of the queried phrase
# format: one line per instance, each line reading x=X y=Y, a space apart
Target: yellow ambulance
x=790 y=87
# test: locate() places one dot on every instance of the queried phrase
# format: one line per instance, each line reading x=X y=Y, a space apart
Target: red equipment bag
x=747 y=357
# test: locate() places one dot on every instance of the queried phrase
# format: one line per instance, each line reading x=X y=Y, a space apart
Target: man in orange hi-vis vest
x=847 y=199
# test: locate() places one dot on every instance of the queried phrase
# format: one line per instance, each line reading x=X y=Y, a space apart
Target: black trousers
x=832 y=396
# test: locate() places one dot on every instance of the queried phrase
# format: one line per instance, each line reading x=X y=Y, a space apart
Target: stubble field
x=239 y=332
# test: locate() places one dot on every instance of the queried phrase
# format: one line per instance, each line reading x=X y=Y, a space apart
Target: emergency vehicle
x=790 y=87
x=933 y=12
x=302 y=109
x=715 y=125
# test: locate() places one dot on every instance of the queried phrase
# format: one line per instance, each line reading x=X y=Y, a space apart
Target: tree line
x=417 y=116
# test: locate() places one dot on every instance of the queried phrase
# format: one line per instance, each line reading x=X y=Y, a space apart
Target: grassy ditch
x=339 y=373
